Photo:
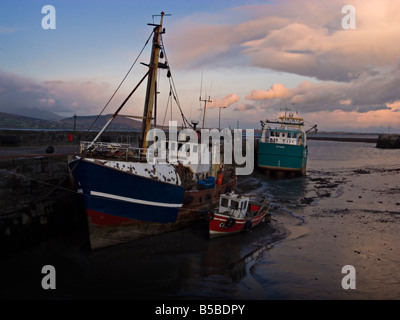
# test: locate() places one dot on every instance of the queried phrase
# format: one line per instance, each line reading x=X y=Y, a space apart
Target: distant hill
x=35 y=113
x=83 y=123
x=8 y=120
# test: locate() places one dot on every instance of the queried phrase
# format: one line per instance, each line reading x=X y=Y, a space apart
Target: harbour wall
x=388 y=141
x=37 y=201
x=20 y=138
x=343 y=139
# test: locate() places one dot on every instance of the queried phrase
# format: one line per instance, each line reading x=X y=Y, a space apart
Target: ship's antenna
x=205 y=107
x=159 y=15
x=205 y=100
x=201 y=85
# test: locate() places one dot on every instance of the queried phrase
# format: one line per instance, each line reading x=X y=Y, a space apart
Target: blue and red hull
x=122 y=206
x=116 y=200
x=121 y=194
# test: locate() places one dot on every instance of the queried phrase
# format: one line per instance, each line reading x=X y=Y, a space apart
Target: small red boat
x=236 y=213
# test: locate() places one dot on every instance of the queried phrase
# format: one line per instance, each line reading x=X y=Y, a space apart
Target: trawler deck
x=108 y=151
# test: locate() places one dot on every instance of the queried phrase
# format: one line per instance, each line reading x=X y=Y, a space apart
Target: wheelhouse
x=283 y=136
x=233 y=205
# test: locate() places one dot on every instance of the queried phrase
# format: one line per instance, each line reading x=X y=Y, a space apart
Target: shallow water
x=346 y=211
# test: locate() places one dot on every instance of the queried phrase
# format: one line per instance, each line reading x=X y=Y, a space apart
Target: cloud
x=244 y=107
x=352 y=76
x=200 y=43
x=372 y=121
x=18 y=94
x=301 y=37
x=276 y=91
x=395 y=106
x=367 y=93
x=224 y=102
x=349 y=70
x=346 y=102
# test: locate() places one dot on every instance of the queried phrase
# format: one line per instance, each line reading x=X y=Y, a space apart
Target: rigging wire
x=166 y=109
x=116 y=90
x=174 y=91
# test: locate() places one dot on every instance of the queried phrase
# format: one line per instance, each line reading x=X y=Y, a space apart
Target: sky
x=337 y=68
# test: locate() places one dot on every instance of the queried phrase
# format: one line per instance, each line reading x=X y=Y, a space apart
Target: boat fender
x=219 y=180
x=248 y=225
x=50 y=149
x=230 y=223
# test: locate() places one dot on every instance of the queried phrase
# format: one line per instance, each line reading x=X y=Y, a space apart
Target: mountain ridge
x=14 y=121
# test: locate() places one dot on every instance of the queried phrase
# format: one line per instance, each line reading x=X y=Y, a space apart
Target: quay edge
x=388 y=141
x=37 y=202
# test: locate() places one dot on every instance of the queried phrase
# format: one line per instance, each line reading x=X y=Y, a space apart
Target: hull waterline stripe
x=148 y=203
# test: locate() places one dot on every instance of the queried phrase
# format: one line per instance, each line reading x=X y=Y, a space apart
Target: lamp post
x=75 y=122
x=219 y=119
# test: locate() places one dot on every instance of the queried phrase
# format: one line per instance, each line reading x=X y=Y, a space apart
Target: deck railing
x=113 y=150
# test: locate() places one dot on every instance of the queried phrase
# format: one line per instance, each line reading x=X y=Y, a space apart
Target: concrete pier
x=388 y=141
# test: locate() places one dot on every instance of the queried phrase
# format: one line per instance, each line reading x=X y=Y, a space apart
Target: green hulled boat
x=283 y=147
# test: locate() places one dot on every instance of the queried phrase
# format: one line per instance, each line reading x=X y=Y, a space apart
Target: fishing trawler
x=128 y=192
x=283 y=147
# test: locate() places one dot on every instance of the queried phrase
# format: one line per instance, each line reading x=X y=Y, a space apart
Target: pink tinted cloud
x=60 y=97
x=276 y=91
x=354 y=70
x=224 y=102
x=367 y=93
x=371 y=121
x=314 y=44
x=302 y=37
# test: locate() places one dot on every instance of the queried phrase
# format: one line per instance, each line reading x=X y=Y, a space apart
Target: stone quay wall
x=37 y=201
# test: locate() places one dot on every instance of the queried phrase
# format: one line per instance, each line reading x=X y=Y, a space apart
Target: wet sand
x=169 y=266
x=183 y=264
x=344 y=217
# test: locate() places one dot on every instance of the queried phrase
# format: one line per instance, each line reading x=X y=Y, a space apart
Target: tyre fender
x=247 y=225
x=230 y=223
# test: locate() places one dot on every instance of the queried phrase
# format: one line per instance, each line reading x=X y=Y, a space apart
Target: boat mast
x=205 y=107
x=151 y=82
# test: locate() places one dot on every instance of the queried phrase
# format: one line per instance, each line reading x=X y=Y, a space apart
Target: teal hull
x=282 y=157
